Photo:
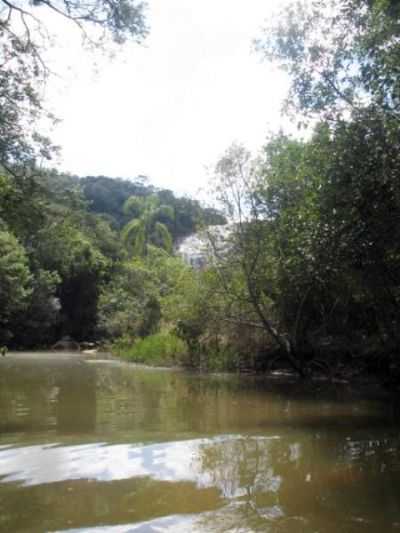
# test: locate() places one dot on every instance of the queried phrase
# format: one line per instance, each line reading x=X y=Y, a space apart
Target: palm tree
x=146 y=228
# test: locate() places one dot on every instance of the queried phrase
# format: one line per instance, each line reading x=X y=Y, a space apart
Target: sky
x=169 y=108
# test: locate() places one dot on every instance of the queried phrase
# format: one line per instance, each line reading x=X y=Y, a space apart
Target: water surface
x=106 y=447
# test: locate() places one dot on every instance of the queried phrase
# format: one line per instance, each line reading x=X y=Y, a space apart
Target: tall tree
x=250 y=272
x=145 y=227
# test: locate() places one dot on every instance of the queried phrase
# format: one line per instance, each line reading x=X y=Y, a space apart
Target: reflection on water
x=109 y=447
x=171 y=461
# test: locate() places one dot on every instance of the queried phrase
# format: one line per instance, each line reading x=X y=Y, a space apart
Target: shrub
x=158 y=349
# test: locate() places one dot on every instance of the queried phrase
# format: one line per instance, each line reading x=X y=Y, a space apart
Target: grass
x=160 y=349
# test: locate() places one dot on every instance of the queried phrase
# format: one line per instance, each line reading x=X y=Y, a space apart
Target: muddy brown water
x=101 y=446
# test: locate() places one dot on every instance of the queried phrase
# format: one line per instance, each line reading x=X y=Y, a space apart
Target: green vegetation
x=310 y=277
x=107 y=196
x=145 y=227
x=315 y=257
x=67 y=271
x=157 y=349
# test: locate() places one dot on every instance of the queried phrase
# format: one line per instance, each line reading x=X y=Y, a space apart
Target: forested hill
x=108 y=195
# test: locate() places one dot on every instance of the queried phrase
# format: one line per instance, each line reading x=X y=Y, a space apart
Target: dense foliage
x=68 y=271
x=108 y=196
x=315 y=257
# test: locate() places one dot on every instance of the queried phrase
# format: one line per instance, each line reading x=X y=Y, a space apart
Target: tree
x=35 y=325
x=140 y=294
x=249 y=272
x=23 y=71
x=340 y=55
x=108 y=195
x=277 y=273
x=360 y=213
x=126 y=302
x=145 y=228
x=64 y=248
x=15 y=280
x=343 y=60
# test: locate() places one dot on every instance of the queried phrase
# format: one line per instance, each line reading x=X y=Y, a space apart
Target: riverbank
x=361 y=386
x=330 y=366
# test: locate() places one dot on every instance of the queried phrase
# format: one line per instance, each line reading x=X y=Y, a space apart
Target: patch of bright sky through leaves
x=168 y=109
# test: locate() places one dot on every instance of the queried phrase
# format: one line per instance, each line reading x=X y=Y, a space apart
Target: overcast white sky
x=170 y=108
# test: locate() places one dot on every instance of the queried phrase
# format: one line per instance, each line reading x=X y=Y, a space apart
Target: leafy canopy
x=146 y=228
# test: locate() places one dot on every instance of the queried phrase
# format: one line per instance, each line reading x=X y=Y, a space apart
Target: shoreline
x=368 y=387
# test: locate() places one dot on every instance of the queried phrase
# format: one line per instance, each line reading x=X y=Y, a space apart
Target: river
x=101 y=446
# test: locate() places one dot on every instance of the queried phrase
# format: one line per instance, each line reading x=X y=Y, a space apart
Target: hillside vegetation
x=88 y=258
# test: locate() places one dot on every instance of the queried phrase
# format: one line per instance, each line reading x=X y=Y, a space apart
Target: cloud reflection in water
x=170 y=461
